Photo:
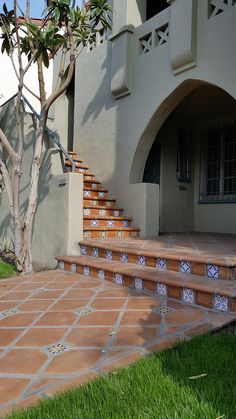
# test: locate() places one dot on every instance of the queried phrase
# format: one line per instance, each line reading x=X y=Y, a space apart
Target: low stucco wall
x=59 y=217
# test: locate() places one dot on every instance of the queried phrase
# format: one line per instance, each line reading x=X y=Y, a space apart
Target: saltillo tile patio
x=62 y=329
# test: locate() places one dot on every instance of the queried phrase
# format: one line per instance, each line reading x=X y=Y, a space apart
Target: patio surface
x=47 y=343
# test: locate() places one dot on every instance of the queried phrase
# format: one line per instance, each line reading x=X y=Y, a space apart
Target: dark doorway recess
x=70 y=93
x=152 y=167
x=154 y=7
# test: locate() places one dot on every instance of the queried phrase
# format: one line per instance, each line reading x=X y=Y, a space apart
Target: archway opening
x=193 y=159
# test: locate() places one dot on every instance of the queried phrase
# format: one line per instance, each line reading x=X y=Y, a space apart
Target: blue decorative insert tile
x=73 y=268
x=101 y=274
x=95 y=252
x=86 y=271
x=188 y=296
x=185 y=267
x=161 y=263
x=138 y=284
x=221 y=303
x=124 y=257
x=57 y=349
x=83 y=250
x=61 y=265
x=141 y=260
x=118 y=279
x=213 y=271
x=109 y=255
x=161 y=290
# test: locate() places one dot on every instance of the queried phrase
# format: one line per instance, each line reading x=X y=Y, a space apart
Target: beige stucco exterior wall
x=58 y=221
x=114 y=135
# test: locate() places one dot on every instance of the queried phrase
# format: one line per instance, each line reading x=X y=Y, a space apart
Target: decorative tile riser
x=95 y=201
x=199 y=269
x=105 y=212
x=201 y=298
x=95 y=194
x=94 y=234
x=105 y=223
x=91 y=185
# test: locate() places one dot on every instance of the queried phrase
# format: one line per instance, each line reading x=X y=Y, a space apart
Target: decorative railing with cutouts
x=154 y=33
x=215 y=7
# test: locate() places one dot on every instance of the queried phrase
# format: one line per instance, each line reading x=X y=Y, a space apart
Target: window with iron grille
x=183 y=156
x=218 y=165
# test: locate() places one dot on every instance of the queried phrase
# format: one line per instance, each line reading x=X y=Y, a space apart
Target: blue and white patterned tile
x=8 y=313
x=110 y=223
x=83 y=250
x=116 y=213
x=95 y=252
x=141 y=260
x=57 y=349
x=86 y=270
x=124 y=258
x=185 y=267
x=86 y=211
x=138 y=284
x=125 y=223
x=101 y=275
x=73 y=268
x=221 y=303
x=94 y=185
x=213 y=271
x=109 y=255
x=161 y=289
x=102 y=212
x=188 y=296
x=61 y=265
x=94 y=223
x=87 y=193
x=83 y=311
x=101 y=194
x=161 y=263
x=118 y=279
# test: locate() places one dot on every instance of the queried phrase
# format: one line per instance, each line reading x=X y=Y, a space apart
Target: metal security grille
x=218 y=165
x=183 y=156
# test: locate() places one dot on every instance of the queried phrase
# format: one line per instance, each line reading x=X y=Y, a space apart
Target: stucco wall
x=58 y=220
x=115 y=135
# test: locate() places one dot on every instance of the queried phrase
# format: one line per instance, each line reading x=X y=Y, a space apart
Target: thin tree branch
x=11 y=152
x=7 y=182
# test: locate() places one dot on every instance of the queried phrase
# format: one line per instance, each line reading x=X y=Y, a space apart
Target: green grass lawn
x=6 y=270
x=157 y=387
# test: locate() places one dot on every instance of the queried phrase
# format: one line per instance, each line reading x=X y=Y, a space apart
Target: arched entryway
x=193 y=159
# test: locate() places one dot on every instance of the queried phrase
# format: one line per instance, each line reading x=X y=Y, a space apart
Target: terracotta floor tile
x=20 y=320
x=119 y=292
x=47 y=295
x=142 y=318
x=6 y=305
x=107 y=304
x=5 y=286
x=22 y=361
x=86 y=285
x=60 y=285
x=35 y=305
x=184 y=317
x=41 y=337
x=57 y=318
x=75 y=382
x=98 y=337
x=15 y=296
x=135 y=336
x=11 y=388
x=144 y=303
x=28 y=286
x=104 y=318
x=73 y=361
x=70 y=304
x=7 y=336
x=42 y=384
x=78 y=293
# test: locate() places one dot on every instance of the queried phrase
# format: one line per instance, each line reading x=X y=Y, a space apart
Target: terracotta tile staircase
x=205 y=280
x=102 y=217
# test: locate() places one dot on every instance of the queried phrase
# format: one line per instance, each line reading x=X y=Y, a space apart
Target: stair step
x=95 y=193
x=208 y=267
x=107 y=202
x=78 y=165
x=92 y=184
x=218 y=295
x=111 y=232
x=101 y=210
x=101 y=221
x=67 y=162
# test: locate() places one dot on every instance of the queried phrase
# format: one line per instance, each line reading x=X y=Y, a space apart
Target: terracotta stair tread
x=176 y=279
x=106 y=217
x=111 y=229
x=160 y=253
x=93 y=181
x=90 y=206
x=99 y=199
x=86 y=188
x=78 y=165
